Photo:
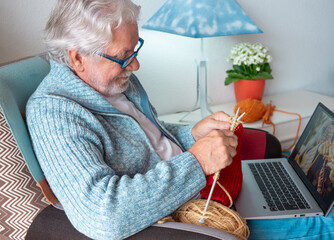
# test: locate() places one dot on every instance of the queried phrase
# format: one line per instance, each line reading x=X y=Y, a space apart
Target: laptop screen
x=312 y=158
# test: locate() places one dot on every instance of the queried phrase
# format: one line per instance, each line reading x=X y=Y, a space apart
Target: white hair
x=85 y=25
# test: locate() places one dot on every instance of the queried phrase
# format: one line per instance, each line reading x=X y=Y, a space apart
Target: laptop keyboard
x=277 y=187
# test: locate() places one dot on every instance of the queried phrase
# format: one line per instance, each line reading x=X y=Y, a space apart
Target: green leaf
x=237 y=75
x=248 y=73
x=240 y=69
x=230 y=80
x=230 y=71
x=263 y=75
x=266 y=68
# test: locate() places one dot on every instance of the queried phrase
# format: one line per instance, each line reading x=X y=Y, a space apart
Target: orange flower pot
x=244 y=89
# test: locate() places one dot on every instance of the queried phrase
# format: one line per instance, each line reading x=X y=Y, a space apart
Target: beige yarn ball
x=217 y=216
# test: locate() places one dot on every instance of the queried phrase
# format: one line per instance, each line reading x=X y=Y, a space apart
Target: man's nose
x=134 y=65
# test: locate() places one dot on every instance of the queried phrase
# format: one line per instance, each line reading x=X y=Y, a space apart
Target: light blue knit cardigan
x=99 y=162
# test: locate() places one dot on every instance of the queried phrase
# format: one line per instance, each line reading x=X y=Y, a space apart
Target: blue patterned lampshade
x=202 y=18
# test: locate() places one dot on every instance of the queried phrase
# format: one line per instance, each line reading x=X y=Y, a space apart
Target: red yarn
x=230 y=177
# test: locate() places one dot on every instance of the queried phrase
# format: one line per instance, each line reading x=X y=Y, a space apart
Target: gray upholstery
x=215 y=233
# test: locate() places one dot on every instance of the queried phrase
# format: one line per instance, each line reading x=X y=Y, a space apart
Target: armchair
x=25 y=212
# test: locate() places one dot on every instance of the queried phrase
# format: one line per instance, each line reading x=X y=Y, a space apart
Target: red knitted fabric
x=230 y=177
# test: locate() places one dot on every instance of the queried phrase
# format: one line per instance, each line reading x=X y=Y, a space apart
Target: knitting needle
x=216 y=176
x=237 y=113
x=270 y=102
x=239 y=118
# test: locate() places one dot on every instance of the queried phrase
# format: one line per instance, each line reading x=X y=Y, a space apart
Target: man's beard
x=120 y=87
x=115 y=86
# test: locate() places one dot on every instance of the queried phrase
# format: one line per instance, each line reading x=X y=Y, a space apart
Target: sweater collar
x=61 y=81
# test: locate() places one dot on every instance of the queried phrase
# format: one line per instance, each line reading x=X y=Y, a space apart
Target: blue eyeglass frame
x=126 y=62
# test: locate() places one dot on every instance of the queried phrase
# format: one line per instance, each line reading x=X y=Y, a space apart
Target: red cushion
x=253 y=144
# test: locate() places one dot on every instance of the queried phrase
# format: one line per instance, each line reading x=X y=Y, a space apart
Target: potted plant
x=250 y=69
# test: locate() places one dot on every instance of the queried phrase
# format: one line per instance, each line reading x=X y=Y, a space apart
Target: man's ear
x=76 y=60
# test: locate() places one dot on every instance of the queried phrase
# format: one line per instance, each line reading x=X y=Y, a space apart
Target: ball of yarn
x=217 y=216
x=253 y=108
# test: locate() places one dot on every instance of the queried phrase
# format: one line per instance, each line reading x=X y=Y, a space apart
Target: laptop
x=302 y=186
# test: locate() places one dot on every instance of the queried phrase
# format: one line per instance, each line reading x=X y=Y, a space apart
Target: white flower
x=248 y=54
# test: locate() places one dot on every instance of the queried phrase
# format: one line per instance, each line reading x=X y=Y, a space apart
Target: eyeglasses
x=126 y=62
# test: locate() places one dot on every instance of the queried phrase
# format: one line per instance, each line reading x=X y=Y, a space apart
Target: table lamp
x=202 y=19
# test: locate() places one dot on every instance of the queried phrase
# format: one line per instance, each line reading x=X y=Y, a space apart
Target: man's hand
x=216 y=121
x=215 y=150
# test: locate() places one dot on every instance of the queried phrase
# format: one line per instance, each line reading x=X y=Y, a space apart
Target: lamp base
x=201 y=94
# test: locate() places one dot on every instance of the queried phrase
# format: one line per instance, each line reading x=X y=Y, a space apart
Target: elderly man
x=113 y=166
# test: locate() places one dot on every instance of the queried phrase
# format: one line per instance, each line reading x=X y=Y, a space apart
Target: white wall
x=21 y=27
x=299 y=34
